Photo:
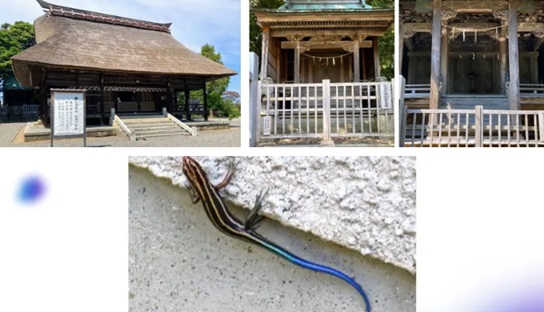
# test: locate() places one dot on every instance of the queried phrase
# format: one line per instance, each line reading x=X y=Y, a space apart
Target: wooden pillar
x=168 y=98
x=297 y=62
x=503 y=62
x=444 y=62
x=534 y=67
x=102 y=97
x=375 y=43
x=264 y=52
x=435 y=54
x=187 y=98
x=44 y=110
x=401 y=50
x=205 y=99
x=356 y=59
x=513 y=59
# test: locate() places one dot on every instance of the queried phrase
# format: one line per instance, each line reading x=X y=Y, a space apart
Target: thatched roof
x=99 y=46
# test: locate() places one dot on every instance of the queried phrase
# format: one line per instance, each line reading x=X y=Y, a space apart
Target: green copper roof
x=312 y=5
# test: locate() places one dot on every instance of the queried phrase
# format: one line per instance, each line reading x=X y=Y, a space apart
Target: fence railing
x=531 y=89
x=417 y=90
x=31 y=110
x=326 y=110
x=471 y=127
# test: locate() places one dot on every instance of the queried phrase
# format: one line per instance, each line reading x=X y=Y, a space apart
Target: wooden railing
x=531 y=89
x=471 y=128
x=417 y=90
x=326 y=109
x=31 y=111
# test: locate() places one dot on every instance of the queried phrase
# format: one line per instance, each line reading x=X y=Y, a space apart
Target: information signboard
x=68 y=114
x=267 y=121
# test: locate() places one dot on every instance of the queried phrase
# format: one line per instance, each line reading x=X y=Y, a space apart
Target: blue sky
x=194 y=22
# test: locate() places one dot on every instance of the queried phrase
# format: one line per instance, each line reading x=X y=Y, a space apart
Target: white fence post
x=255 y=99
x=112 y=115
x=478 y=135
x=402 y=115
x=327 y=141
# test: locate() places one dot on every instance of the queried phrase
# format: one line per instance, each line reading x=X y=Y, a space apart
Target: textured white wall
x=364 y=203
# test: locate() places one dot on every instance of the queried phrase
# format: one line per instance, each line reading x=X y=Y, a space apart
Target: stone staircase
x=147 y=126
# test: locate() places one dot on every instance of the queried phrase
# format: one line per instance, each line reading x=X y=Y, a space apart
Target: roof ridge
x=91 y=16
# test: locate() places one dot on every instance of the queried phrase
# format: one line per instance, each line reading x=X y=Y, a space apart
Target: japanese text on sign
x=69 y=112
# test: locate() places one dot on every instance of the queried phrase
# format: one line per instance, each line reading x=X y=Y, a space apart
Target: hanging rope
x=326 y=59
x=455 y=30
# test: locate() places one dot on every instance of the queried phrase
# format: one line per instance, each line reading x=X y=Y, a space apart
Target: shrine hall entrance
x=474 y=56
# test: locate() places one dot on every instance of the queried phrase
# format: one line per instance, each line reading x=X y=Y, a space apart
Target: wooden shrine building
x=308 y=41
x=131 y=65
x=458 y=54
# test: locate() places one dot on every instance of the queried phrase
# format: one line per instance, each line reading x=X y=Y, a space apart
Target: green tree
x=386 y=45
x=215 y=90
x=382 y=4
x=14 y=39
x=255 y=33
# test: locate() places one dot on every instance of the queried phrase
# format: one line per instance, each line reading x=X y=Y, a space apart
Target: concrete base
x=34 y=133
x=209 y=125
x=179 y=262
x=327 y=143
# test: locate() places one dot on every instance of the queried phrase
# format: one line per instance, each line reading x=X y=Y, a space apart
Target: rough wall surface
x=364 y=203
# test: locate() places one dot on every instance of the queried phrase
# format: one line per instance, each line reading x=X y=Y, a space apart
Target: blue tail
x=315 y=267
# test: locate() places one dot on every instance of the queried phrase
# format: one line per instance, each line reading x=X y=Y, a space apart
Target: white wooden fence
x=530 y=89
x=326 y=110
x=417 y=90
x=471 y=127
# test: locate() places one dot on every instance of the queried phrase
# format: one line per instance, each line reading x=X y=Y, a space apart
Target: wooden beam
x=315 y=45
x=503 y=62
x=444 y=62
x=318 y=32
x=297 y=62
x=435 y=54
x=356 y=65
x=376 y=58
x=102 y=97
x=513 y=94
x=264 y=52
x=205 y=99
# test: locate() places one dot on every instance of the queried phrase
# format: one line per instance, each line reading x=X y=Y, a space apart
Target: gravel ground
x=215 y=138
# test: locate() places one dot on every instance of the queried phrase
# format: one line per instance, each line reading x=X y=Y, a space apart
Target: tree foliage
x=255 y=33
x=382 y=4
x=14 y=39
x=215 y=90
x=386 y=45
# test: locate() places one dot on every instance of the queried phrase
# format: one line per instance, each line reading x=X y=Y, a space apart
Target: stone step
x=159 y=134
x=152 y=126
